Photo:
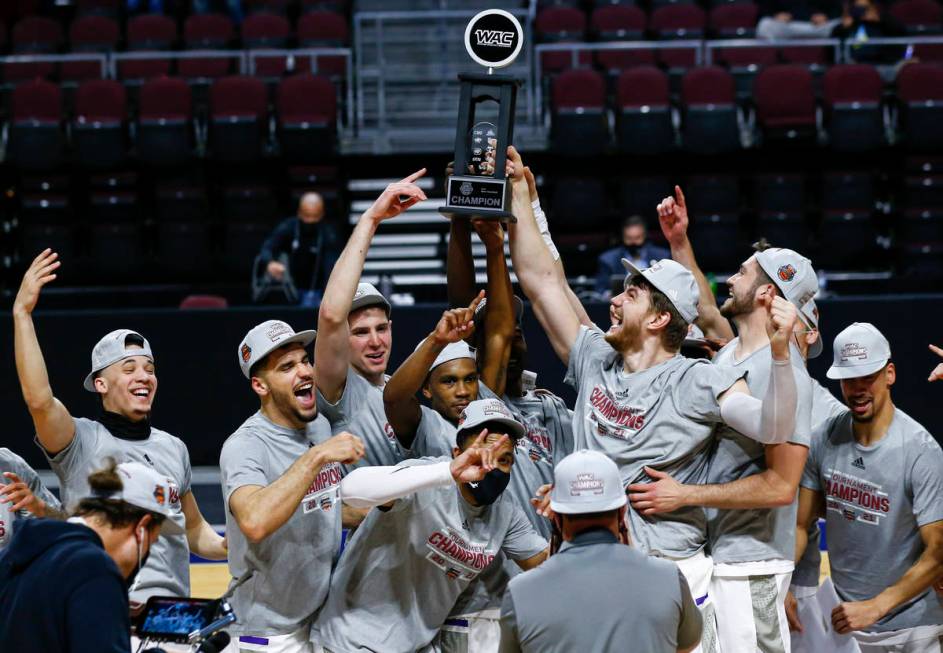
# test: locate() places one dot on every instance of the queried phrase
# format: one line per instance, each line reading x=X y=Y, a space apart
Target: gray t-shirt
x=405 y=567
x=663 y=417
x=808 y=569
x=360 y=411
x=167 y=572
x=876 y=499
x=435 y=435
x=768 y=533
x=292 y=565
x=10 y=462
x=599 y=595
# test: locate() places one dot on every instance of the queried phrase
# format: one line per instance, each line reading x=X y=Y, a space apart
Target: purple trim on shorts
x=700 y=600
x=248 y=639
x=457 y=622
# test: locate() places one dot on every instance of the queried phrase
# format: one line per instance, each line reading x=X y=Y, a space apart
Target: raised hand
x=344 y=448
x=21 y=496
x=937 y=372
x=457 y=323
x=531 y=184
x=491 y=232
x=673 y=217
x=780 y=322
x=41 y=271
x=477 y=460
x=397 y=197
x=541 y=501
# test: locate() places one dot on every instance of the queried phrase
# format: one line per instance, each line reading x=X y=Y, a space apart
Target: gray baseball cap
x=809 y=314
x=112 y=349
x=482 y=411
x=791 y=272
x=142 y=487
x=368 y=295
x=452 y=351
x=859 y=350
x=265 y=338
x=674 y=280
x=586 y=481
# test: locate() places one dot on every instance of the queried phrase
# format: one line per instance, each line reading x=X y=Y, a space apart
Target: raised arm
x=54 y=425
x=460 y=264
x=859 y=615
x=536 y=270
x=673 y=216
x=399 y=395
x=331 y=350
x=499 y=322
x=260 y=511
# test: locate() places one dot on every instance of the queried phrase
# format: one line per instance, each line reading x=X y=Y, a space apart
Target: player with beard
x=751 y=488
x=124 y=377
x=356 y=335
x=876 y=476
x=639 y=401
x=280 y=473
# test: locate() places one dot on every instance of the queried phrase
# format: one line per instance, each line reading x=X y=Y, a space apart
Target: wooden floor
x=209 y=580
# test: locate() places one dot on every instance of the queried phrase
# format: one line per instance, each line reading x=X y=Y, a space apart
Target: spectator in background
x=798 y=19
x=635 y=247
x=864 y=20
x=306 y=247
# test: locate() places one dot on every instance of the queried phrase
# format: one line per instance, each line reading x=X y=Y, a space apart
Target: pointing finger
x=680 y=195
x=413 y=177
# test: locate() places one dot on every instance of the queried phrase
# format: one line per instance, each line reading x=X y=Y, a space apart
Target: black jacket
x=60 y=592
x=312 y=249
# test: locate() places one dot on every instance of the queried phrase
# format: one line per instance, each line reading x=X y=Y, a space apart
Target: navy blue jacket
x=60 y=592
x=610 y=262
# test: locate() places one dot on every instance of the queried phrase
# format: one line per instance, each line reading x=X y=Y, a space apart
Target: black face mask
x=487 y=490
x=633 y=250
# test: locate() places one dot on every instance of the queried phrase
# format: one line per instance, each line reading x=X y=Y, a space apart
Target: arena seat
x=713 y=193
x=89 y=34
x=148 y=33
x=785 y=103
x=306 y=107
x=709 y=111
x=113 y=206
x=677 y=22
x=241 y=244
x=278 y=7
x=843 y=191
x=733 y=21
x=164 y=134
x=644 y=112
x=639 y=195
x=783 y=229
x=854 y=116
x=180 y=202
x=263 y=31
x=744 y=64
x=36 y=136
x=191 y=302
x=322 y=29
x=579 y=126
x=779 y=193
x=919 y=225
x=618 y=23
x=184 y=250
x=718 y=237
x=238 y=118
x=248 y=202
x=920 y=98
x=206 y=32
x=33 y=35
x=848 y=238
x=561 y=25
x=98 y=7
x=116 y=251
x=578 y=204
x=923 y=191
x=99 y=137
x=918 y=16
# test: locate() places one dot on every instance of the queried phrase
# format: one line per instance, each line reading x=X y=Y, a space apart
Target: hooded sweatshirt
x=60 y=592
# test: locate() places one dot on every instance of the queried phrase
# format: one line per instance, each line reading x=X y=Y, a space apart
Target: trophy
x=493 y=38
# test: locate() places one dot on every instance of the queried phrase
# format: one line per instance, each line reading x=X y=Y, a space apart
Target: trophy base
x=482 y=198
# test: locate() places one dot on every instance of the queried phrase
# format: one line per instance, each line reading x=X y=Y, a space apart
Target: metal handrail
x=100 y=57
x=149 y=55
x=711 y=45
x=890 y=40
x=313 y=53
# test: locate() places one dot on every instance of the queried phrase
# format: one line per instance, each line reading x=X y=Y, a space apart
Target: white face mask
x=134 y=578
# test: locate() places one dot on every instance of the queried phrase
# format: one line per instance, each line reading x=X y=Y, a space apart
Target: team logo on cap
x=462 y=417
x=246 y=352
x=786 y=272
x=159 y=495
x=853 y=350
x=586 y=482
x=277 y=330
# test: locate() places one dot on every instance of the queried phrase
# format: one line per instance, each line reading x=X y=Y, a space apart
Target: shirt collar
x=590 y=537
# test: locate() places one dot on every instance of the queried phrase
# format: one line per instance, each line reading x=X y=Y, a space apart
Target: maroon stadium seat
x=206 y=32
x=100 y=7
x=307 y=113
x=148 y=33
x=267 y=31
x=37 y=35
x=814 y=56
x=164 y=122
x=191 y=302
x=854 y=116
x=918 y=16
x=618 y=23
x=734 y=21
x=265 y=6
x=98 y=130
x=36 y=138
x=579 y=121
x=561 y=25
x=644 y=111
x=744 y=64
x=709 y=102
x=89 y=34
x=678 y=21
x=920 y=95
x=785 y=102
x=322 y=29
x=238 y=117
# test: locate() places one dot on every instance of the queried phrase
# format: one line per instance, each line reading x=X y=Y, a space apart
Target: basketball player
x=22 y=495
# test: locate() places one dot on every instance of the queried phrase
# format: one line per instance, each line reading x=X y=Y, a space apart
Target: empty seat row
x=712 y=121
x=238 y=122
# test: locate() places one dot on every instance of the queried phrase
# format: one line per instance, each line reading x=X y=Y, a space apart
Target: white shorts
x=922 y=639
x=476 y=632
x=698 y=570
x=817 y=634
x=296 y=642
x=751 y=612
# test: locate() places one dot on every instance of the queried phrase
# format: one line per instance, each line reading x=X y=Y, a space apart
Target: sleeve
x=589 y=348
x=74 y=458
x=689 y=629
x=339 y=413
x=100 y=600
x=242 y=462
x=29 y=476
x=927 y=482
x=509 y=637
x=367 y=487
x=521 y=541
x=275 y=243
x=802 y=432
x=187 y=469
x=434 y=436
x=810 y=474
x=561 y=426
x=698 y=389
